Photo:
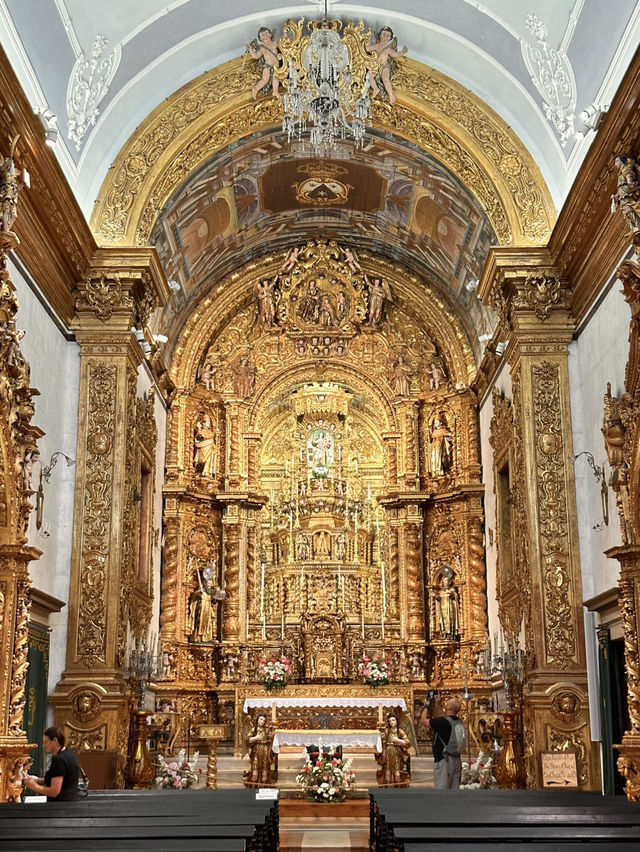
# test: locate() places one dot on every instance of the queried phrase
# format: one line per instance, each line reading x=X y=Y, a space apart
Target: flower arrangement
x=327 y=778
x=374 y=670
x=274 y=672
x=478 y=775
x=177 y=774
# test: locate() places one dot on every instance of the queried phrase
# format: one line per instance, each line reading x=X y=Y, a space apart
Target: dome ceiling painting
x=265 y=196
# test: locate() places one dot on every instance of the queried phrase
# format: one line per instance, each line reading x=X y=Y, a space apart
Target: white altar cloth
x=277 y=701
x=366 y=739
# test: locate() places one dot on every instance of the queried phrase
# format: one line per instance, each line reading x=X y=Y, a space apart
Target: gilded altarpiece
x=111 y=587
x=18 y=440
x=323 y=496
x=621 y=430
x=538 y=579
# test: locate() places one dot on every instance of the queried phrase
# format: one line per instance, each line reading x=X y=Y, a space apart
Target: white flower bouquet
x=274 y=672
x=327 y=778
x=478 y=775
x=374 y=670
x=177 y=774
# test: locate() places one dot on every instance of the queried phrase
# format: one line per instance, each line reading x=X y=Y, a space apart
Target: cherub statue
x=31 y=456
x=208 y=376
x=627 y=198
x=266 y=52
x=11 y=182
x=291 y=259
x=351 y=259
x=385 y=52
x=436 y=375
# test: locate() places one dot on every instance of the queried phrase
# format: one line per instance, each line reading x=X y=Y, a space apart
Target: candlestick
x=342 y=583
x=356 y=534
x=362 y=620
x=264 y=628
x=302 y=589
x=282 y=631
x=262 y=590
x=247 y=627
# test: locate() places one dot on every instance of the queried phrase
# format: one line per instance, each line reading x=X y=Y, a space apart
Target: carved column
x=120 y=292
x=17 y=439
x=533 y=305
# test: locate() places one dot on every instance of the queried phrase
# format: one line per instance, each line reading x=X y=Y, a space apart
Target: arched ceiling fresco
x=389 y=198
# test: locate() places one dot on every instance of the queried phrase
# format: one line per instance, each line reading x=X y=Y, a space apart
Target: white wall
x=55 y=372
x=598 y=355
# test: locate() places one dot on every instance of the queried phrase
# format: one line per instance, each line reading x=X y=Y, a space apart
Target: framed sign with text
x=559 y=769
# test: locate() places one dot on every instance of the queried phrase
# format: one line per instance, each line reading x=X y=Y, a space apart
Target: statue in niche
x=385 y=51
x=616 y=418
x=230 y=663
x=379 y=293
x=416 y=666
x=208 y=376
x=201 y=621
x=302 y=546
x=447 y=609
x=266 y=295
x=400 y=377
x=244 y=377
x=309 y=302
x=341 y=546
x=627 y=197
x=11 y=182
x=441 y=450
x=266 y=54
x=320 y=448
x=322 y=544
x=205 y=447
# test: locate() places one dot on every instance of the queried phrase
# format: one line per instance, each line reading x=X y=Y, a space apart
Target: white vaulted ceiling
x=577 y=49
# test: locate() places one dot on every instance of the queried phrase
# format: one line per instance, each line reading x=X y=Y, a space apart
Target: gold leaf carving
x=559 y=626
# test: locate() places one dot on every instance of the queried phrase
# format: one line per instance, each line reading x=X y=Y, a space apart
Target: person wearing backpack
x=449 y=742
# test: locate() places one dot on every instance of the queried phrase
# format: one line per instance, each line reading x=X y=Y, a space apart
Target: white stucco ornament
x=88 y=84
x=552 y=75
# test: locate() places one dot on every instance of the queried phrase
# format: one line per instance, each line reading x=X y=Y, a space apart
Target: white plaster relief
x=552 y=75
x=89 y=83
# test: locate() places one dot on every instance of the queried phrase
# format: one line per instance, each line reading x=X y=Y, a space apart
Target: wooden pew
x=159 y=820
x=413 y=820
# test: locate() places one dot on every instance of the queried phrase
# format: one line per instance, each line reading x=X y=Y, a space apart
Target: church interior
x=320 y=376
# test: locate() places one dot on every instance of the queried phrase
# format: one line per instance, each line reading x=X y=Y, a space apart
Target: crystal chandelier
x=326 y=100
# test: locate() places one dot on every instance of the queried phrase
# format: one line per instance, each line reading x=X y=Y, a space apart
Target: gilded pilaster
x=109 y=592
x=532 y=302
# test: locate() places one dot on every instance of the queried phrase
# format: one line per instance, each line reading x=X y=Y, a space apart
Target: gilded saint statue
x=385 y=51
x=259 y=744
x=202 y=608
x=394 y=755
x=400 y=377
x=266 y=296
x=244 y=378
x=11 y=182
x=205 y=448
x=265 y=51
x=447 y=609
x=379 y=293
x=441 y=449
x=627 y=198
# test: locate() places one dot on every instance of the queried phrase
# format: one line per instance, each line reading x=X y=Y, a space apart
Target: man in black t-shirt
x=447 y=767
x=60 y=782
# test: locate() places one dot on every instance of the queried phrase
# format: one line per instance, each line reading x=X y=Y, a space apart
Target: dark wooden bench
x=412 y=820
x=159 y=820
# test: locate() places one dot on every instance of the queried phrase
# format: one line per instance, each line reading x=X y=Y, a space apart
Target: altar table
x=346 y=739
x=379 y=701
